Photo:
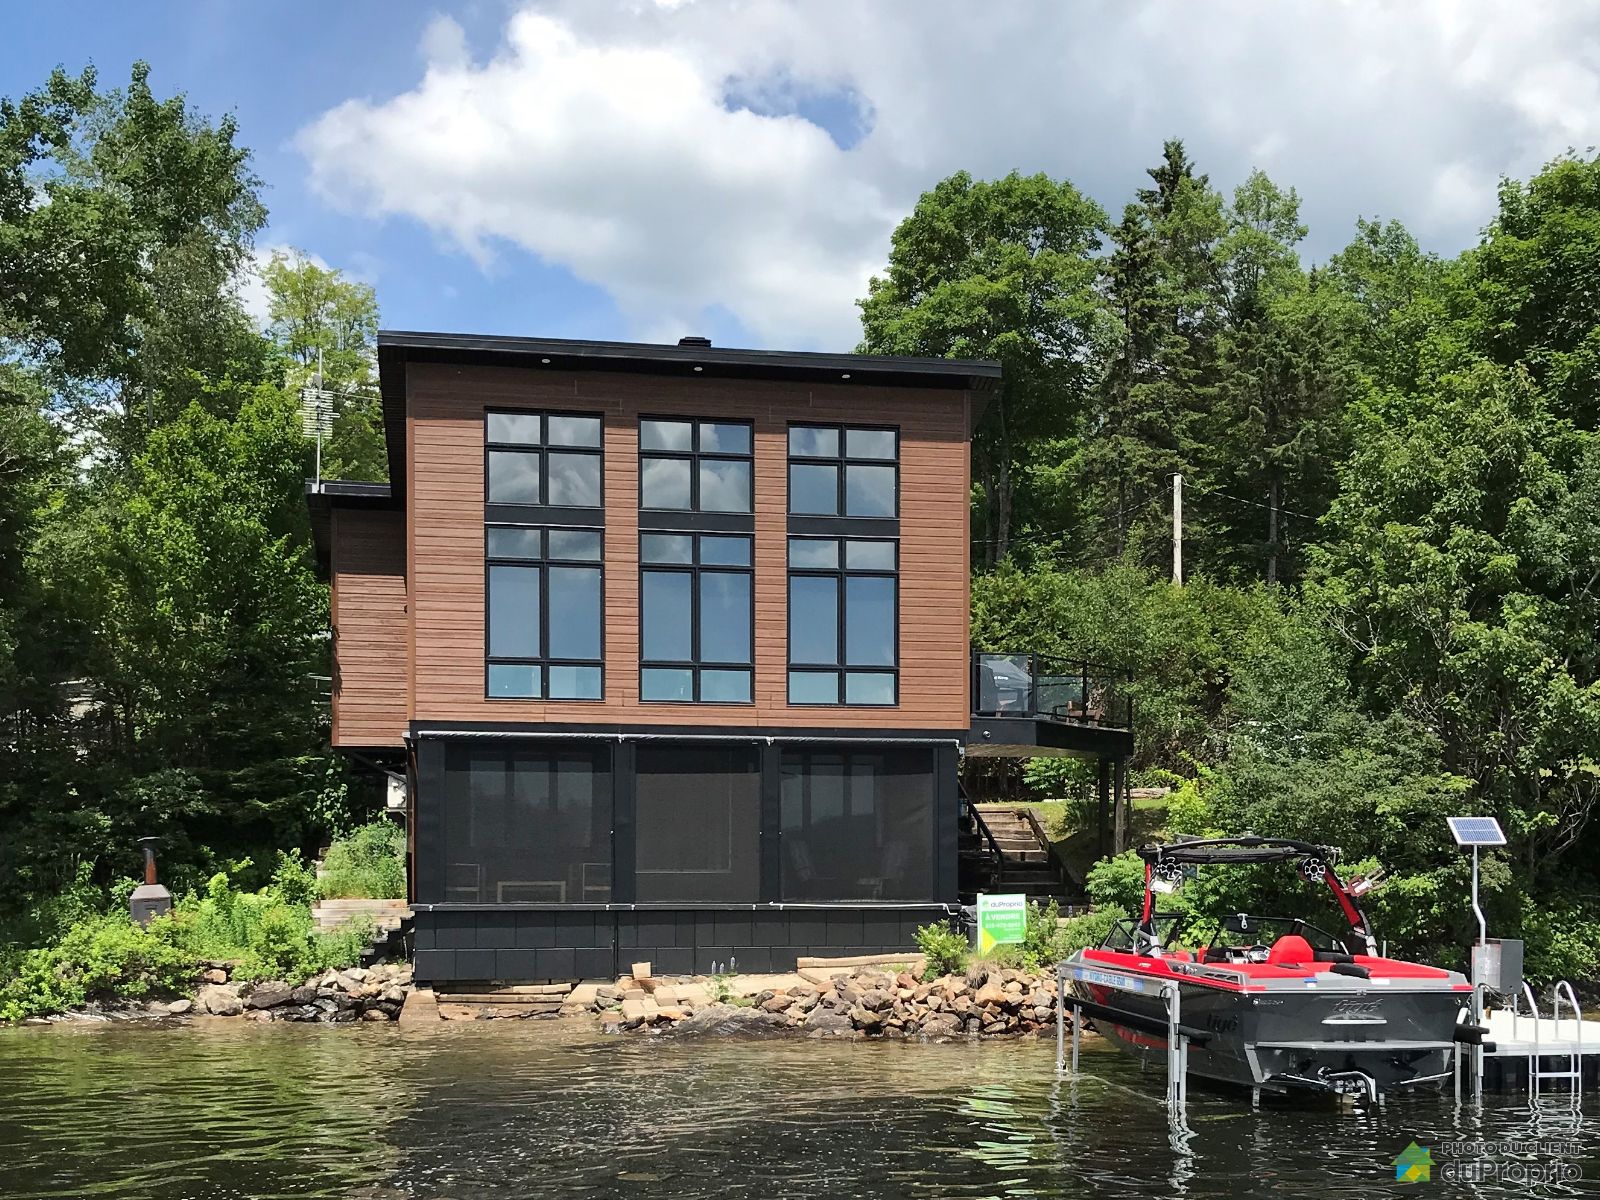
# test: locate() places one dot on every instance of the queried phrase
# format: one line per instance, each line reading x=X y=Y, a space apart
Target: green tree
x=998 y=269
x=1461 y=560
x=1151 y=408
x=327 y=326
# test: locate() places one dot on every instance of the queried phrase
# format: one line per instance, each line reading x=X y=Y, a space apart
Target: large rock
x=214 y=975
x=178 y=1007
x=303 y=995
x=991 y=994
x=220 y=1000
x=825 y=1020
x=270 y=994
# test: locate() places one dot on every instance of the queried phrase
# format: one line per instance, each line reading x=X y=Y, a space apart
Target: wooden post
x=1119 y=841
x=1104 y=790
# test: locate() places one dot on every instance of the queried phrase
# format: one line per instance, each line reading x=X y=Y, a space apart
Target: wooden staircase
x=1012 y=857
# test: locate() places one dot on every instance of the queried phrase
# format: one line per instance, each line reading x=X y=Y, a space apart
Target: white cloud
x=597 y=136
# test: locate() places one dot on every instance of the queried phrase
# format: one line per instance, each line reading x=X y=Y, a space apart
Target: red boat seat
x=1291 y=948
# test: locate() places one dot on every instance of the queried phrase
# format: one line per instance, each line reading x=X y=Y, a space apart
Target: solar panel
x=1476 y=831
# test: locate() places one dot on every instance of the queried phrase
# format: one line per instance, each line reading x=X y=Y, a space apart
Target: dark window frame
x=695 y=569
x=545 y=660
x=543 y=517
x=843 y=461
x=841 y=669
x=542 y=449
x=693 y=456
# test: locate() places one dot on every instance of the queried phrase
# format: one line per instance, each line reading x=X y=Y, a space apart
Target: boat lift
x=1178 y=1035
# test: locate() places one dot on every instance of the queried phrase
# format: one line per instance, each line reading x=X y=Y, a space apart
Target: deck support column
x=1120 y=801
x=1103 y=790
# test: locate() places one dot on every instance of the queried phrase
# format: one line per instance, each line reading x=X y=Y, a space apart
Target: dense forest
x=1392 y=503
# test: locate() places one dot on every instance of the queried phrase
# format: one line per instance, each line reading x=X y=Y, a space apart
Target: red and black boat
x=1273 y=1003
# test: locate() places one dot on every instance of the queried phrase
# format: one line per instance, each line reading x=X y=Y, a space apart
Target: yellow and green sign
x=1002 y=920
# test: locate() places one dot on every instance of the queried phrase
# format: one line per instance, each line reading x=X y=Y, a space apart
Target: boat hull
x=1335 y=1035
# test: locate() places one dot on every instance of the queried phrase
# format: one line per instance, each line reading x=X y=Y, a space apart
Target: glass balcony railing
x=1052 y=688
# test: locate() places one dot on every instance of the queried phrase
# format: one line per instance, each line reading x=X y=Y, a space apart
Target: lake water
x=525 y=1109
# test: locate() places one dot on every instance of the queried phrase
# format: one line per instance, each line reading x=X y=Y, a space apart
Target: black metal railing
x=1043 y=685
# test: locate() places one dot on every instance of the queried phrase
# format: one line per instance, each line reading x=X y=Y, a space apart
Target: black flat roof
x=398 y=347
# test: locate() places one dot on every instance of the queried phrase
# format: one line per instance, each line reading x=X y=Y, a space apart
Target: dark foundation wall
x=527 y=945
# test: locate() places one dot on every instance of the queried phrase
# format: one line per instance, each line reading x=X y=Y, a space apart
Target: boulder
x=214 y=975
x=220 y=1000
x=865 y=1018
x=905 y=980
x=374 y=1014
x=633 y=1008
x=824 y=1021
x=939 y=1026
x=665 y=995
x=394 y=994
x=807 y=1000
x=876 y=1000
x=178 y=1007
x=991 y=994
x=775 y=1003
x=270 y=994
x=305 y=994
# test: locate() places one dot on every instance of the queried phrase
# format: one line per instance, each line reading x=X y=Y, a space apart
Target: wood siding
x=445 y=510
x=371 y=702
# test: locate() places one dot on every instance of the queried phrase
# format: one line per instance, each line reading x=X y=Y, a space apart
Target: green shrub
x=1088 y=930
x=367 y=865
x=945 y=950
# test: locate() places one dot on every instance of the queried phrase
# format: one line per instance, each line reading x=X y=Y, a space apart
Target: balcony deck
x=1041 y=706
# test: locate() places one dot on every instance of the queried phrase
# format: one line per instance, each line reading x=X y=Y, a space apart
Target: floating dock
x=1540 y=1054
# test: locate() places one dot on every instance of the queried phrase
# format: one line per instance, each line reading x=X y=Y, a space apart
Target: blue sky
x=647 y=168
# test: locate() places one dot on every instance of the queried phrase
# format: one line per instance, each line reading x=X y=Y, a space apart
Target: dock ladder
x=1561 y=997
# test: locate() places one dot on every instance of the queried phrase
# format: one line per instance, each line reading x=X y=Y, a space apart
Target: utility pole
x=1177 y=529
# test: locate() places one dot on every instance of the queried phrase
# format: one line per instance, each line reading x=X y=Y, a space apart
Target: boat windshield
x=1247 y=938
x=1125 y=935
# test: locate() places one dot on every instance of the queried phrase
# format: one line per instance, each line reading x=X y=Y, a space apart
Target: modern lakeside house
x=670 y=646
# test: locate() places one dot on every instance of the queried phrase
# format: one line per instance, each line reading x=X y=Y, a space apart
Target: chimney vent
x=695 y=340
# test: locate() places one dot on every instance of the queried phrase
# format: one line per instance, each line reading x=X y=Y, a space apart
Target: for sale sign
x=1002 y=920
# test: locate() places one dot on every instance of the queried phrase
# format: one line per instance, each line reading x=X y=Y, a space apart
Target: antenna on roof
x=316 y=412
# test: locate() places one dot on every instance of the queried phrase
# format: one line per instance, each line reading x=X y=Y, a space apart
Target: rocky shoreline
x=376 y=993
x=866 y=1002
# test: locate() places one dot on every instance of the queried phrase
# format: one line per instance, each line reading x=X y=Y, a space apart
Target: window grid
x=842 y=458
x=810 y=558
x=696 y=569
x=694 y=456
x=528 y=434
x=543 y=662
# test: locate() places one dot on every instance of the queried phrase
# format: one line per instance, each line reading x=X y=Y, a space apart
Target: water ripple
x=226 y=1109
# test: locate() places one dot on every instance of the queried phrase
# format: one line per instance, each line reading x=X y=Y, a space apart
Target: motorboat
x=1271 y=1003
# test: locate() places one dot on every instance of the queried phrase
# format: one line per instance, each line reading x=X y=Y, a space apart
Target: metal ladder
x=1561 y=996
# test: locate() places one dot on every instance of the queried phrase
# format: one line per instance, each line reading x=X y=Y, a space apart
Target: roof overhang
x=397 y=348
x=325 y=495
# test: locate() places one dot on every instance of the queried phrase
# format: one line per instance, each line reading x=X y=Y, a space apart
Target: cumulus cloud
x=688 y=157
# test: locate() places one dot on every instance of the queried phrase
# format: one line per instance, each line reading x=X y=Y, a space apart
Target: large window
x=857 y=825
x=843 y=621
x=547 y=459
x=698 y=824
x=838 y=471
x=526 y=826
x=697 y=609
x=694 y=466
x=542 y=551
x=544 y=635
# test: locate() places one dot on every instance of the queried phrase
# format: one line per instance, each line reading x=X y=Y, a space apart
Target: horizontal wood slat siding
x=445 y=468
x=371 y=702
